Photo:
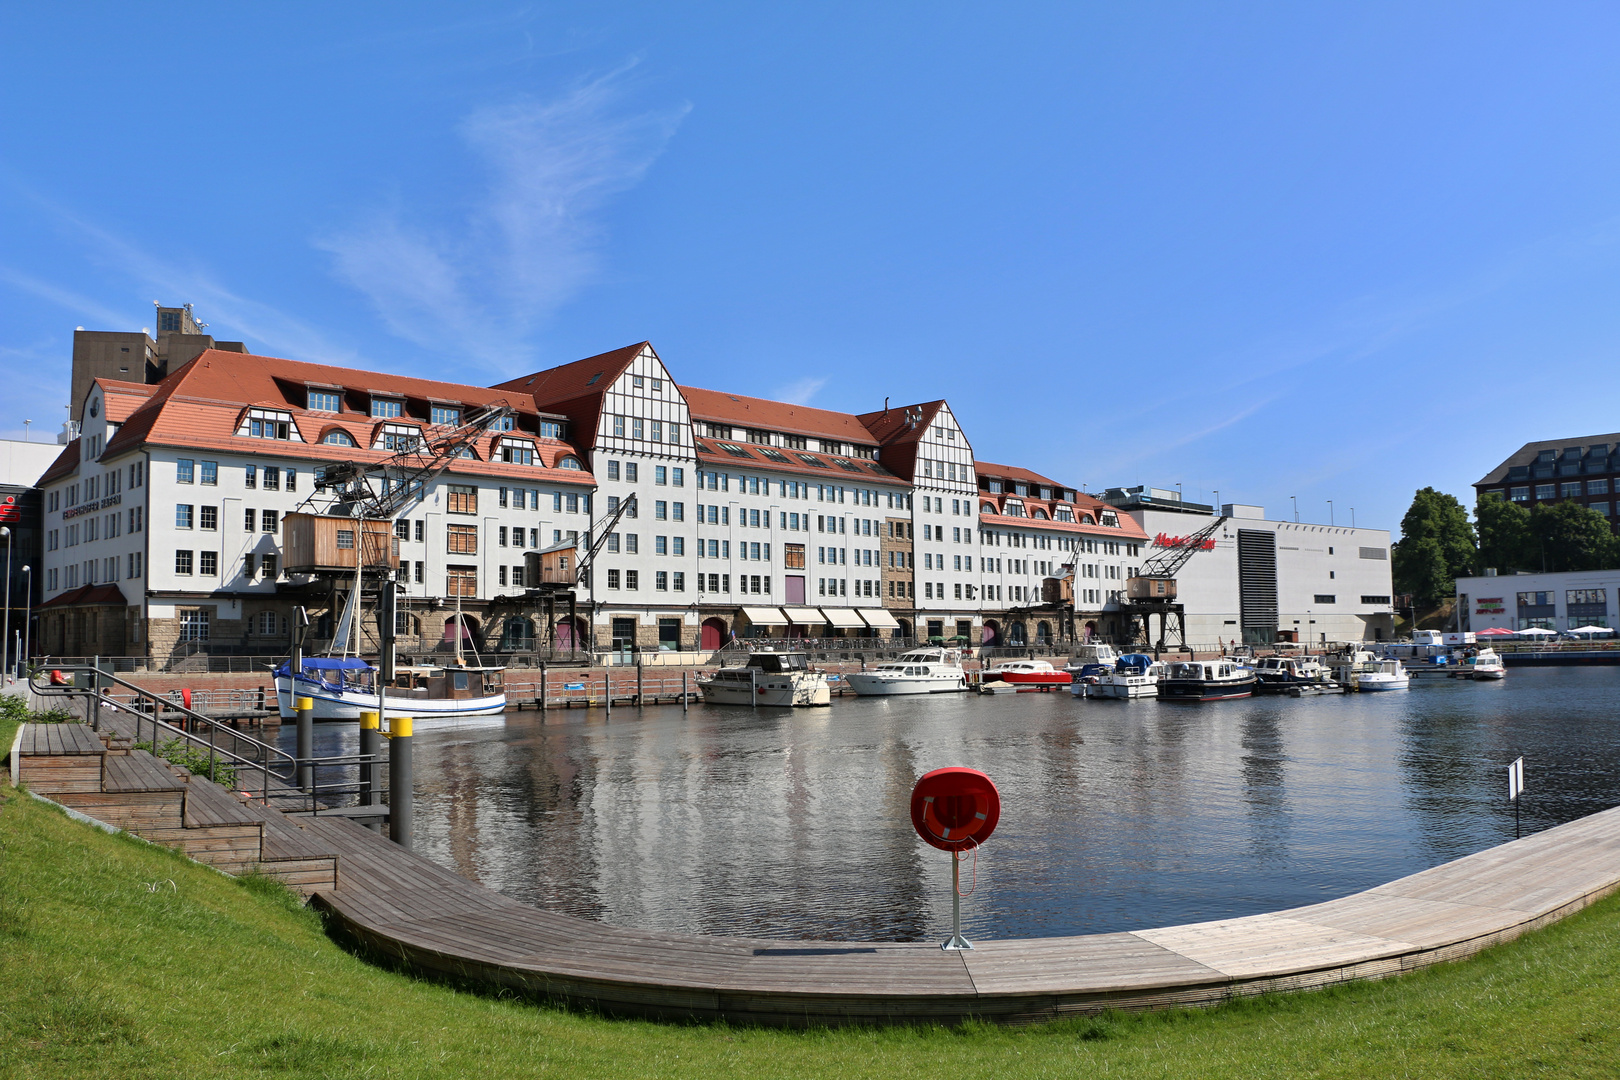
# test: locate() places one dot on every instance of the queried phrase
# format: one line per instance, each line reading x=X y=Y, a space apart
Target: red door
x=713 y=635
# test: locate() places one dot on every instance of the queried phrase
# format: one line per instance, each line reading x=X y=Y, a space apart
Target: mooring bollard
x=305 y=708
x=542 y=687
x=370 y=743
x=400 y=782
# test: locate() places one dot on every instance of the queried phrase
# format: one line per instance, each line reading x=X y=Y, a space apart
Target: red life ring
x=954 y=808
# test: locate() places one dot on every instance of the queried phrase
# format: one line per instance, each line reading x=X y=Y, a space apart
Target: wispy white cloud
x=532 y=239
x=82 y=306
x=800 y=393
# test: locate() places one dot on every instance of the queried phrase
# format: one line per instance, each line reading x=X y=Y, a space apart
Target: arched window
x=987 y=508
x=1039 y=513
x=467 y=452
x=569 y=461
x=338 y=437
x=1085 y=519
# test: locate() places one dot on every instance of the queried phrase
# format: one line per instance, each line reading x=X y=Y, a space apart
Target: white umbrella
x=1591 y=630
x=1538 y=631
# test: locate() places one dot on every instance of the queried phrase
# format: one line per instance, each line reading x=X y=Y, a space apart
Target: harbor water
x=1115 y=815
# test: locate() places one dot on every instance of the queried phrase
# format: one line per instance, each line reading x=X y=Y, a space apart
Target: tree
x=1571 y=537
x=1430 y=572
x=1505 y=541
x=1420 y=569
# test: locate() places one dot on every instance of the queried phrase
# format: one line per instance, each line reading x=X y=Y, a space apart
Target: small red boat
x=1025 y=676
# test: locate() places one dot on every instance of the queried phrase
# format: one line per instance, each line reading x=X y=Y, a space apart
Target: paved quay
x=401 y=905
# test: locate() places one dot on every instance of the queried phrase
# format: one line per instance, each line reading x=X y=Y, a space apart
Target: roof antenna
x=885 y=408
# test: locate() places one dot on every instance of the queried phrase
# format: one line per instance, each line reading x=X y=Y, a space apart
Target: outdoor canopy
x=1592 y=630
x=1495 y=631
x=332 y=663
x=878 y=619
x=1537 y=631
x=765 y=616
x=843 y=618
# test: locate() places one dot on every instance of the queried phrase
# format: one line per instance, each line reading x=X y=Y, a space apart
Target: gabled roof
x=1527 y=454
x=575 y=390
x=201 y=406
x=122 y=398
x=807 y=463
x=899 y=430
x=1083 y=504
x=66 y=464
x=738 y=410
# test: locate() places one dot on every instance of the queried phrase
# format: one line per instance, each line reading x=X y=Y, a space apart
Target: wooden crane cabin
x=555 y=565
x=318 y=544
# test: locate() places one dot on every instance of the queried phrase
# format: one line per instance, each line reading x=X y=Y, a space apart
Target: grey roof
x=1528 y=453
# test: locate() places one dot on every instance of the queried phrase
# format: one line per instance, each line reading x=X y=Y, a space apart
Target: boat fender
x=185 y=698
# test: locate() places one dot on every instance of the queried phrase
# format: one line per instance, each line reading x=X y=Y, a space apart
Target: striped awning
x=843 y=618
x=878 y=619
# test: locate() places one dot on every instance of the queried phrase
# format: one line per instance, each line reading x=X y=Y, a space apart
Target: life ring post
x=955 y=809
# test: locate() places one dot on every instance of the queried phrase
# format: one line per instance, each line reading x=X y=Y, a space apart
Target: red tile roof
x=201 y=406
x=66 y=464
x=87 y=594
x=1083 y=504
x=123 y=398
x=735 y=409
x=575 y=390
x=1013 y=472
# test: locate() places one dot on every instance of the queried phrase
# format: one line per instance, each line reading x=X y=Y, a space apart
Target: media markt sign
x=1491 y=606
x=1164 y=540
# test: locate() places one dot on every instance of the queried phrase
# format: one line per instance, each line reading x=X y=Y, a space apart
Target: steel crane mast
x=1174 y=556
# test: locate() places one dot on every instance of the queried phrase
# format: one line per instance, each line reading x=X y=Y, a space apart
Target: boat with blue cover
x=341 y=688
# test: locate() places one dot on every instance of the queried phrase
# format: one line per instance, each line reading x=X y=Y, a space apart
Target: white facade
x=945 y=523
x=1331 y=582
x=1560 y=601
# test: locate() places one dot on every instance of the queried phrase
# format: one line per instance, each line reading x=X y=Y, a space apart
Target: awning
x=878 y=619
x=765 y=616
x=804 y=616
x=843 y=618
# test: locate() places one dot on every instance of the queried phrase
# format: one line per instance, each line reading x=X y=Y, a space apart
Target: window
x=1326 y=598
x=569 y=461
x=338 y=437
x=1570 y=490
x=661 y=581
x=272 y=478
x=1519 y=494
x=661 y=510
x=635 y=427
x=324 y=400
x=268 y=424
x=550 y=429
x=210 y=473
x=1597 y=487
x=398 y=437
x=630 y=472
x=613 y=579
x=1545 y=491
x=184 y=470
x=208 y=518
x=208 y=563
x=384 y=408
x=270 y=572
x=249 y=520
x=345 y=539
x=250 y=476
x=193 y=625
x=182 y=516
x=461 y=499
x=517 y=451
x=660 y=475
x=461 y=580
x=446 y=415
x=461 y=539
x=182 y=562
x=1375 y=600
x=618 y=426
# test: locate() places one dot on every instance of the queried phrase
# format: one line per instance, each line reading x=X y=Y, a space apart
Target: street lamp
x=1296 y=508
x=1330 y=512
x=28 y=615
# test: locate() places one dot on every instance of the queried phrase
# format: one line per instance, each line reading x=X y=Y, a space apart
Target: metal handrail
x=267 y=752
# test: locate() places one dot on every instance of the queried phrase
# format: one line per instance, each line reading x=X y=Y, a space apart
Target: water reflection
x=795 y=823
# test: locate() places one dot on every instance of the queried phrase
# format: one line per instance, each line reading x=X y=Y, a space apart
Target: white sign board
x=1515 y=778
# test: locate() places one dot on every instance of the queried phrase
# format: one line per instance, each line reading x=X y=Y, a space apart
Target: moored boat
x=921 y=671
x=1380 y=675
x=1485 y=664
x=1134 y=675
x=1027 y=676
x=1205 y=680
x=1285 y=674
x=772 y=679
x=341 y=688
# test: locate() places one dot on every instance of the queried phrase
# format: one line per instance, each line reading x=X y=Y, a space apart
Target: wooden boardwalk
x=406 y=907
x=415 y=911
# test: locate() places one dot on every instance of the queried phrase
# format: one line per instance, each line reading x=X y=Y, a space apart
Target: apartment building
x=1583 y=469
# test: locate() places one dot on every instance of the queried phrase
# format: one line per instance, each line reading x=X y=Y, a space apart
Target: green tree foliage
x=1571 y=537
x=1505 y=540
x=1435 y=548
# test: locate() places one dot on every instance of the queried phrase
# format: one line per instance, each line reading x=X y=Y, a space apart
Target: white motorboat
x=1380 y=675
x=1286 y=674
x=343 y=688
x=1485 y=664
x=1090 y=657
x=1134 y=675
x=1205 y=680
x=772 y=679
x=921 y=671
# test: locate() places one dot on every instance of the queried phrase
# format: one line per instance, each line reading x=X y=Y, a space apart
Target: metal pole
x=5 y=636
x=542 y=686
x=607 y=687
x=305 y=709
x=957 y=941
x=370 y=743
x=753 y=688
x=400 y=782
x=683 y=690
x=640 y=700
x=28 y=619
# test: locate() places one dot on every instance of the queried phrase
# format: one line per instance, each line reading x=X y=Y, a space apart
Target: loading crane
x=1153 y=590
x=365 y=498
x=554 y=572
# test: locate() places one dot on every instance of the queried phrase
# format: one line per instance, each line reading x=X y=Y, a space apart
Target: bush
x=15 y=709
x=194 y=759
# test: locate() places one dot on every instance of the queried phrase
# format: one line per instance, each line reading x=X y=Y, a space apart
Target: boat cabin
x=1202 y=670
x=775 y=663
x=447 y=683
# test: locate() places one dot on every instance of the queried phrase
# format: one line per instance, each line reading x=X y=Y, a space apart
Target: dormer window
x=987 y=508
x=1046 y=493
x=1063 y=513
x=397 y=437
x=324 y=400
x=517 y=451
x=867 y=452
x=569 y=461
x=1110 y=519
x=446 y=415
x=338 y=437
x=505 y=423
x=995 y=487
x=384 y=408
x=1022 y=489
x=268 y=424
x=551 y=429
x=1013 y=508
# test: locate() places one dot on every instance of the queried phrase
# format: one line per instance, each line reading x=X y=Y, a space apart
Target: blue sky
x=1271 y=250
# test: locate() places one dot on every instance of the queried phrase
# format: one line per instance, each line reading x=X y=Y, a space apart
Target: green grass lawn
x=119 y=959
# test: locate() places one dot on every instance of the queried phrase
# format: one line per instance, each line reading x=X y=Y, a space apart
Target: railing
x=223 y=742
